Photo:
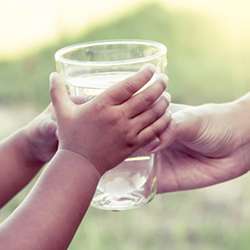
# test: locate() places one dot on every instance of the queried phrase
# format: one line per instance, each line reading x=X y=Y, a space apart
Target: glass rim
x=59 y=55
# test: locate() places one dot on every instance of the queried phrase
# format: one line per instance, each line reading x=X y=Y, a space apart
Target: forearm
x=17 y=167
x=55 y=207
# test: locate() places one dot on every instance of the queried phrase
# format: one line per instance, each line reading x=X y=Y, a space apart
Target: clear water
x=92 y=85
x=132 y=183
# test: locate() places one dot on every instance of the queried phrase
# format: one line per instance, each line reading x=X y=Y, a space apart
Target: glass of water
x=89 y=69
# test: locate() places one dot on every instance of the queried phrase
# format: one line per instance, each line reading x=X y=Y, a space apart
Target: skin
x=74 y=171
x=30 y=148
x=201 y=146
x=209 y=144
x=129 y=121
x=24 y=153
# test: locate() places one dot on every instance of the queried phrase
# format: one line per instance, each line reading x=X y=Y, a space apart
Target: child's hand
x=40 y=134
x=116 y=123
x=41 y=138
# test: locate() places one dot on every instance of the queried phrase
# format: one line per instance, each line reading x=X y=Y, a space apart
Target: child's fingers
x=154 y=130
x=167 y=137
x=152 y=145
x=122 y=91
x=143 y=100
x=48 y=128
x=59 y=96
x=151 y=115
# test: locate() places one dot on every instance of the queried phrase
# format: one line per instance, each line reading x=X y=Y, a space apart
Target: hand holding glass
x=90 y=68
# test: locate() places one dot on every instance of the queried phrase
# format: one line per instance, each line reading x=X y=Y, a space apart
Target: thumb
x=59 y=96
x=187 y=124
x=48 y=128
x=184 y=126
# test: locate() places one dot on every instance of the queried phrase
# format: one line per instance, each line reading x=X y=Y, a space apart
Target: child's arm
x=24 y=153
x=48 y=218
x=93 y=138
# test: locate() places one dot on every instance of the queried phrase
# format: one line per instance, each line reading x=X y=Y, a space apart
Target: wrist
x=84 y=161
x=25 y=149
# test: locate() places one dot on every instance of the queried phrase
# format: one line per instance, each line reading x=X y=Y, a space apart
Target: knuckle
x=162 y=107
x=163 y=124
x=99 y=106
x=149 y=99
x=124 y=112
x=112 y=96
x=129 y=87
x=113 y=117
x=53 y=92
x=164 y=81
x=146 y=75
x=161 y=85
x=157 y=111
x=130 y=139
x=164 y=101
x=149 y=136
x=153 y=131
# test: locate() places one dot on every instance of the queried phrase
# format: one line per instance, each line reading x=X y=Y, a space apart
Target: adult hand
x=212 y=145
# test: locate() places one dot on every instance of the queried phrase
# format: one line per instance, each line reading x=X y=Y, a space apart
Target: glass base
x=106 y=201
x=131 y=184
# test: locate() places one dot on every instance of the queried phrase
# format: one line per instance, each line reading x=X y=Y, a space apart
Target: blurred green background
x=208 y=61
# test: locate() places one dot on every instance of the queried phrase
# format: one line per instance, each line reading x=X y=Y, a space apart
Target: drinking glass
x=89 y=69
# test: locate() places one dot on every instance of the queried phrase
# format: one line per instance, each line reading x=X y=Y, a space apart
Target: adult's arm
x=211 y=145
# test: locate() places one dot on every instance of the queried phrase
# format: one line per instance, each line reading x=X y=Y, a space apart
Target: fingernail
x=149 y=67
x=55 y=78
x=167 y=95
x=163 y=78
x=52 y=76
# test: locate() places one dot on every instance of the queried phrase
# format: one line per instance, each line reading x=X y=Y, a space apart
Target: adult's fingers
x=143 y=100
x=151 y=115
x=59 y=95
x=122 y=91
